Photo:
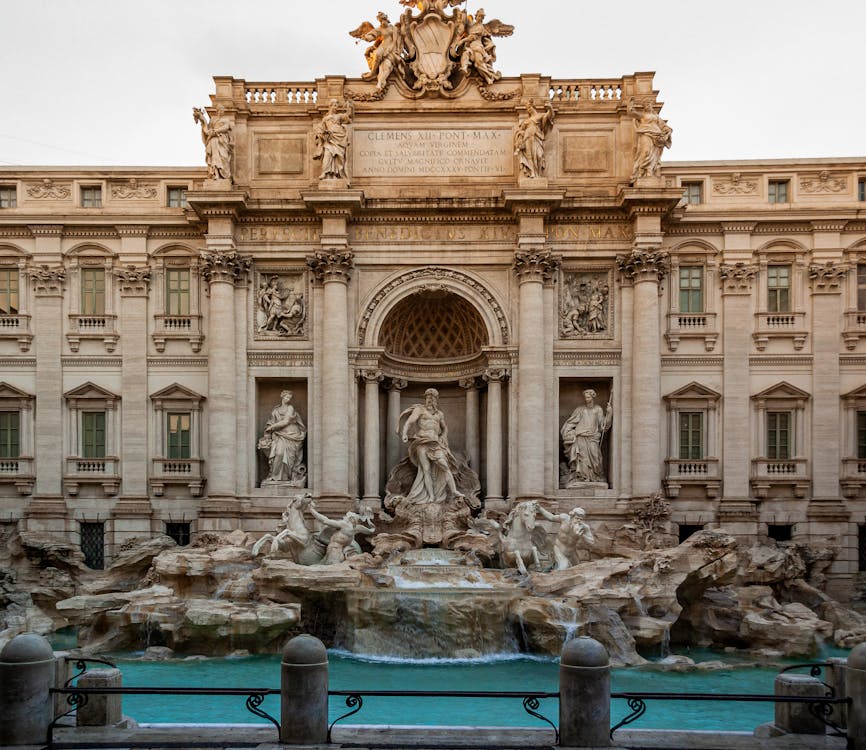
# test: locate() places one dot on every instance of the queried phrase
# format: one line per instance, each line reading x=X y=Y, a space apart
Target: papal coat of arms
x=431 y=51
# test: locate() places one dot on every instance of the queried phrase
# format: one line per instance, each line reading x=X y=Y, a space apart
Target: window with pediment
x=854 y=442
x=175 y=296
x=17 y=465
x=781 y=297
x=14 y=299
x=692 y=461
x=92 y=315
x=92 y=438
x=691 y=314
x=854 y=328
x=177 y=431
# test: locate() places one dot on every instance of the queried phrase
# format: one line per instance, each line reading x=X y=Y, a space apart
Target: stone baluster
x=645 y=268
x=472 y=444
x=494 y=378
x=393 y=439
x=371 y=379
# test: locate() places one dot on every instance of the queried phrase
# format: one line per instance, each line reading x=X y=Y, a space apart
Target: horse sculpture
x=518 y=543
x=293 y=537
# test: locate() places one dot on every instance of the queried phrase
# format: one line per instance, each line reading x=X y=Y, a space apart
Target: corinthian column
x=333 y=267
x=371 y=379
x=494 y=377
x=472 y=452
x=531 y=267
x=222 y=267
x=392 y=438
x=645 y=268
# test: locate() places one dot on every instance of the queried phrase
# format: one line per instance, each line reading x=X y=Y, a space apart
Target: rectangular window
x=93 y=434
x=9 y=196
x=778 y=288
x=93 y=545
x=179 y=532
x=861 y=189
x=778 y=435
x=691 y=289
x=93 y=291
x=8 y=291
x=177 y=197
x=777 y=191
x=861 y=434
x=178 y=435
x=91 y=196
x=861 y=286
x=691 y=435
x=10 y=446
x=177 y=291
x=693 y=192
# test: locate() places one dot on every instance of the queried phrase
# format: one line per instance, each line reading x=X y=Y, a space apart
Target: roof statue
x=431 y=52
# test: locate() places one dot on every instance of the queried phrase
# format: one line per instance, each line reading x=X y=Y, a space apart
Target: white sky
x=92 y=82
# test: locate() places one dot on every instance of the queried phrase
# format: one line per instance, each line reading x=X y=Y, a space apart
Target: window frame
x=690 y=290
x=8 y=195
x=7 y=293
x=688 y=449
x=175 y=448
x=175 y=196
x=861 y=188
x=94 y=291
x=775 y=449
x=692 y=185
x=176 y=295
x=776 y=301
x=6 y=431
x=90 y=195
x=774 y=185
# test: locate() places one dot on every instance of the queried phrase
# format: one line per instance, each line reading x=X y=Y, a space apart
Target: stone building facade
x=150 y=319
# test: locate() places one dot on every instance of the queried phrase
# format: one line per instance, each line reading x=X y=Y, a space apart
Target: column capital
x=827 y=278
x=133 y=280
x=226 y=266
x=47 y=281
x=468 y=384
x=398 y=384
x=644 y=265
x=331 y=264
x=495 y=375
x=371 y=376
x=535 y=265
x=737 y=278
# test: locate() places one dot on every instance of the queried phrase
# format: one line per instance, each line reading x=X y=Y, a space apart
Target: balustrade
x=177 y=471
x=177 y=327
x=770 y=472
x=609 y=90
x=702 y=472
x=16 y=327
x=274 y=94
x=790 y=325
x=92 y=327
x=692 y=325
x=102 y=470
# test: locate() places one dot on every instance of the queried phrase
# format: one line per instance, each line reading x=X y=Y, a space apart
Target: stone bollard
x=835 y=678
x=27 y=666
x=856 y=684
x=304 y=692
x=100 y=710
x=584 y=687
x=62 y=672
x=795 y=718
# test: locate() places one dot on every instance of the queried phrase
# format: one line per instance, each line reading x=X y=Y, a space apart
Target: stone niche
x=268 y=392
x=570 y=397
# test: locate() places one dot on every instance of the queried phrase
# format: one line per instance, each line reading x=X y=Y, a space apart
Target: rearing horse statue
x=293 y=537
x=518 y=547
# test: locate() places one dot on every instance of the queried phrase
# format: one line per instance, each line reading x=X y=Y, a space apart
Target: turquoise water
x=506 y=674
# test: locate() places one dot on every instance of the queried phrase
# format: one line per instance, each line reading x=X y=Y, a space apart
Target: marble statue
x=520 y=540
x=283 y=443
x=573 y=534
x=292 y=537
x=216 y=134
x=585 y=305
x=281 y=310
x=342 y=544
x=332 y=140
x=582 y=434
x=478 y=50
x=652 y=136
x=529 y=139
x=385 y=54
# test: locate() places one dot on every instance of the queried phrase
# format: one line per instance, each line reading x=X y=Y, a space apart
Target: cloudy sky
x=93 y=82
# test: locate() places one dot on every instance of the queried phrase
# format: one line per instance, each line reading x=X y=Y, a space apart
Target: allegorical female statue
x=582 y=434
x=283 y=443
x=216 y=134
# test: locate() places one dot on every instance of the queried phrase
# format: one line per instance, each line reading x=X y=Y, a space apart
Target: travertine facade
x=357 y=241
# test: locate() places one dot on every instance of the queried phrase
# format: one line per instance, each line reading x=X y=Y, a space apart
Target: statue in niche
x=572 y=536
x=529 y=139
x=582 y=434
x=385 y=54
x=652 y=137
x=479 y=52
x=216 y=134
x=281 y=307
x=332 y=140
x=283 y=444
x=431 y=494
x=585 y=305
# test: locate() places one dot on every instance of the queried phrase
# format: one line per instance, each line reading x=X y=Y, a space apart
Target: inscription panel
x=445 y=152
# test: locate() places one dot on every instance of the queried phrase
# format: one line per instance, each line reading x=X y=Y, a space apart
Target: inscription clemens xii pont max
x=428 y=153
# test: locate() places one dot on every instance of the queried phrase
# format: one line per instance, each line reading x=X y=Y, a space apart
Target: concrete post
x=100 y=710
x=795 y=718
x=584 y=689
x=856 y=684
x=304 y=692
x=26 y=675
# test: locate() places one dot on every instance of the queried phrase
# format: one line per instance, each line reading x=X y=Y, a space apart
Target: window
x=778 y=434
x=777 y=191
x=779 y=532
x=691 y=289
x=8 y=291
x=691 y=435
x=93 y=291
x=9 y=196
x=778 y=288
x=10 y=430
x=177 y=291
x=861 y=434
x=91 y=196
x=693 y=192
x=861 y=189
x=179 y=532
x=861 y=286
x=93 y=545
x=686 y=530
x=93 y=434
x=178 y=430
x=177 y=197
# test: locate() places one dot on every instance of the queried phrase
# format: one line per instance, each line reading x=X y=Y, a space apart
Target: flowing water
x=506 y=673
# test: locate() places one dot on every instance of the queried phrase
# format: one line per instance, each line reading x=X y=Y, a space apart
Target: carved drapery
x=737 y=278
x=640 y=264
x=227 y=266
x=331 y=265
x=47 y=280
x=827 y=278
x=133 y=280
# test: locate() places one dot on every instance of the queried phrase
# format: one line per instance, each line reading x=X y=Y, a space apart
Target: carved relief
x=737 y=277
x=47 y=280
x=133 y=280
x=735 y=186
x=828 y=277
x=584 y=308
x=133 y=190
x=823 y=182
x=47 y=190
x=281 y=306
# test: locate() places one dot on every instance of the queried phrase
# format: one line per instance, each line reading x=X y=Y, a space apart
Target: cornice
x=434 y=219
x=673 y=363
x=16 y=233
x=577 y=358
x=92 y=362
x=280 y=359
x=781 y=361
x=23 y=362
x=175 y=362
x=685 y=229
x=739 y=227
